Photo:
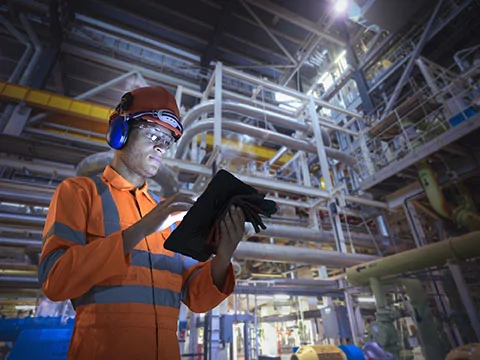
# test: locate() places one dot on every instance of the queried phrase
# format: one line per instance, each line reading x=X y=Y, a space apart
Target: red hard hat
x=151 y=103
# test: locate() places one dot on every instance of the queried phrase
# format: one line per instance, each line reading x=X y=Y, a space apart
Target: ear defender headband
x=118 y=129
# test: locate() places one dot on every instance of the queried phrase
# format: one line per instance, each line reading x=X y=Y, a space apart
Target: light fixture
x=280 y=297
x=340 y=6
x=366 y=299
x=25 y=307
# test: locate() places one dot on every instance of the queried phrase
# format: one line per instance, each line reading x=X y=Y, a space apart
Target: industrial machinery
x=319 y=352
x=466 y=352
x=40 y=338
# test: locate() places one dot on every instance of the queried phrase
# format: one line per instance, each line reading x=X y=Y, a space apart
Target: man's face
x=144 y=149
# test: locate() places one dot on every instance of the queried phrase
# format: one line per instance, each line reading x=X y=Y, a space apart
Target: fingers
x=178 y=208
x=179 y=198
x=235 y=222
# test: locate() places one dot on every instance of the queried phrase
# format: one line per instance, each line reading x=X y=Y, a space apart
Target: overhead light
x=281 y=297
x=25 y=307
x=366 y=299
x=340 y=6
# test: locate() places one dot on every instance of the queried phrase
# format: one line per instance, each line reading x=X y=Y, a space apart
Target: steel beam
x=294 y=18
x=411 y=62
x=188 y=87
x=424 y=151
x=468 y=303
x=290 y=92
x=213 y=43
x=267 y=30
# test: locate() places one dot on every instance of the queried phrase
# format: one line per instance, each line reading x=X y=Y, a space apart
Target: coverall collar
x=119 y=182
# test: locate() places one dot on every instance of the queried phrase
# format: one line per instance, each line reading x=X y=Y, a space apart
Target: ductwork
x=21 y=242
x=309 y=291
x=19 y=281
x=95 y=164
x=315 y=235
x=22 y=219
x=244 y=109
x=273 y=230
x=263 y=134
x=263 y=252
x=460 y=248
x=462 y=215
x=298 y=255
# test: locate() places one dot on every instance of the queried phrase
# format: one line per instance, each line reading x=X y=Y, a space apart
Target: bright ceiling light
x=340 y=6
x=366 y=299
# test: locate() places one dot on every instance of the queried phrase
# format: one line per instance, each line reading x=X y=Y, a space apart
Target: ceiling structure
x=92 y=52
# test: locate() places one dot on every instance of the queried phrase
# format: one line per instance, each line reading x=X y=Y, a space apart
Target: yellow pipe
x=319 y=352
x=85 y=110
x=462 y=248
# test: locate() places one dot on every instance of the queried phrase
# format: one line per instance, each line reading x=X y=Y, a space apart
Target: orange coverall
x=127 y=307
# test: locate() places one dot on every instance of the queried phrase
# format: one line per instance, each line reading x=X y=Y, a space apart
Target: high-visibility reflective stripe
x=173 y=227
x=159 y=261
x=47 y=264
x=183 y=294
x=111 y=220
x=129 y=294
x=156 y=198
x=188 y=262
x=65 y=232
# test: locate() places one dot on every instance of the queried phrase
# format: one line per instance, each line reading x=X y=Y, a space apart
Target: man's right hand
x=152 y=222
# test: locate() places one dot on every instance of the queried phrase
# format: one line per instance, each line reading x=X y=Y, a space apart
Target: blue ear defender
x=117 y=133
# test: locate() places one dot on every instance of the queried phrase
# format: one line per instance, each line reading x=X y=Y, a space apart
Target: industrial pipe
x=429 y=182
x=431 y=344
x=244 y=109
x=287 y=290
x=26 y=54
x=315 y=235
x=22 y=197
x=461 y=248
x=21 y=242
x=461 y=215
x=19 y=281
x=241 y=128
x=95 y=164
x=273 y=230
x=36 y=55
x=298 y=255
x=22 y=219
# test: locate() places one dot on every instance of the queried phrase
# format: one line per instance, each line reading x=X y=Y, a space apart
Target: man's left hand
x=232 y=229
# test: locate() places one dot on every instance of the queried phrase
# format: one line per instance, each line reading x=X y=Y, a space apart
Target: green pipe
x=378 y=293
x=429 y=182
x=463 y=215
x=467 y=218
x=432 y=346
x=461 y=248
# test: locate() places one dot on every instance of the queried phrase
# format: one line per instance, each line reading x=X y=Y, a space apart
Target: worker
x=103 y=244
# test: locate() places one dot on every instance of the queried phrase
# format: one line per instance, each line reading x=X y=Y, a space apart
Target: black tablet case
x=194 y=236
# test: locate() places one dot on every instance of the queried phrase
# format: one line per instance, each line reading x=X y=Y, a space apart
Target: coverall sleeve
x=69 y=266
x=199 y=292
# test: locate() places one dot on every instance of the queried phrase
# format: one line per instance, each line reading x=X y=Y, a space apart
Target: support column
x=217 y=112
x=466 y=297
x=357 y=72
x=366 y=154
x=217 y=128
x=322 y=156
x=411 y=62
x=415 y=224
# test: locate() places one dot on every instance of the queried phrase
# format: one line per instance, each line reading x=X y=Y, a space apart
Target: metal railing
x=420 y=119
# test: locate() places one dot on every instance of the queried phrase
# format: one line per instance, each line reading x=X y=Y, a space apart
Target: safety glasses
x=156 y=136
